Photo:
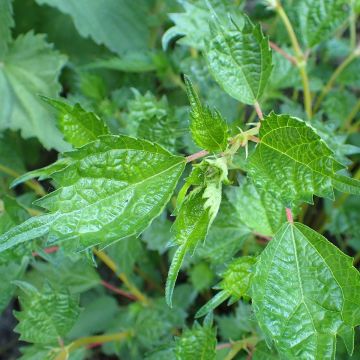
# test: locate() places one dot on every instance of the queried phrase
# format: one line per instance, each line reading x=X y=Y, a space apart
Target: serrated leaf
x=6 y=23
x=91 y=19
x=316 y=291
x=191 y=226
x=208 y=128
x=30 y=67
x=196 y=343
x=78 y=126
x=235 y=284
x=239 y=59
x=46 y=315
x=257 y=209
x=315 y=21
x=112 y=188
x=294 y=163
x=192 y=25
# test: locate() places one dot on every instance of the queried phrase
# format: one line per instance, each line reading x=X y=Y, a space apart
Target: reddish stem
x=261 y=236
x=93 y=345
x=117 y=290
x=258 y=110
x=223 y=346
x=197 y=155
x=289 y=215
x=48 y=250
x=283 y=53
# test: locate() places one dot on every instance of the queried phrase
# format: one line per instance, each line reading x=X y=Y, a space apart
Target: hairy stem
x=300 y=58
x=329 y=85
x=32 y=184
x=289 y=215
x=258 y=110
x=122 y=276
x=196 y=156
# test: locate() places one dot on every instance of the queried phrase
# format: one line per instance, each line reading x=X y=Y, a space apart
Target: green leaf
x=257 y=209
x=316 y=291
x=208 y=128
x=30 y=67
x=78 y=126
x=235 y=284
x=46 y=315
x=13 y=214
x=112 y=188
x=192 y=25
x=6 y=23
x=316 y=21
x=121 y=32
x=239 y=59
x=294 y=163
x=196 y=343
x=191 y=226
x=201 y=276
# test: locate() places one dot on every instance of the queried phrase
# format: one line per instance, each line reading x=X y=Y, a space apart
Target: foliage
x=164 y=161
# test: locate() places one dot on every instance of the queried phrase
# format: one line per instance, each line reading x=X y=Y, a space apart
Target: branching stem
x=287 y=56
x=300 y=58
x=258 y=110
x=122 y=276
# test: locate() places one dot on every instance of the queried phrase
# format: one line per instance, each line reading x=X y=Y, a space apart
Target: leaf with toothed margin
x=294 y=163
x=191 y=226
x=305 y=291
x=208 y=128
x=79 y=127
x=110 y=189
x=239 y=59
x=235 y=284
x=45 y=315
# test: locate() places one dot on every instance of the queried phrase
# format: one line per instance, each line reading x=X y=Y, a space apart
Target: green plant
x=151 y=182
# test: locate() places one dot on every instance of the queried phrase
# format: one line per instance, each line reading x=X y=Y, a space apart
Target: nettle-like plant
x=137 y=185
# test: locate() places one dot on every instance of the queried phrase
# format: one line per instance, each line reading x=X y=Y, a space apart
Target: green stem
x=122 y=276
x=334 y=76
x=351 y=116
x=352 y=25
x=97 y=339
x=300 y=58
x=32 y=184
x=241 y=345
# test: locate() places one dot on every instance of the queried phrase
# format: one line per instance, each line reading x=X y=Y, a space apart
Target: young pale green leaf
x=191 y=226
x=208 y=128
x=315 y=21
x=78 y=126
x=235 y=284
x=294 y=163
x=122 y=32
x=196 y=343
x=305 y=292
x=239 y=59
x=45 y=315
x=30 y=67
x=112 y=188
x=6 y=23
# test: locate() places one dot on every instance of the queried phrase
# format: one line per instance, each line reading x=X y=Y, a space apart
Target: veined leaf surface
x=305 y=292
x=112 y=188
